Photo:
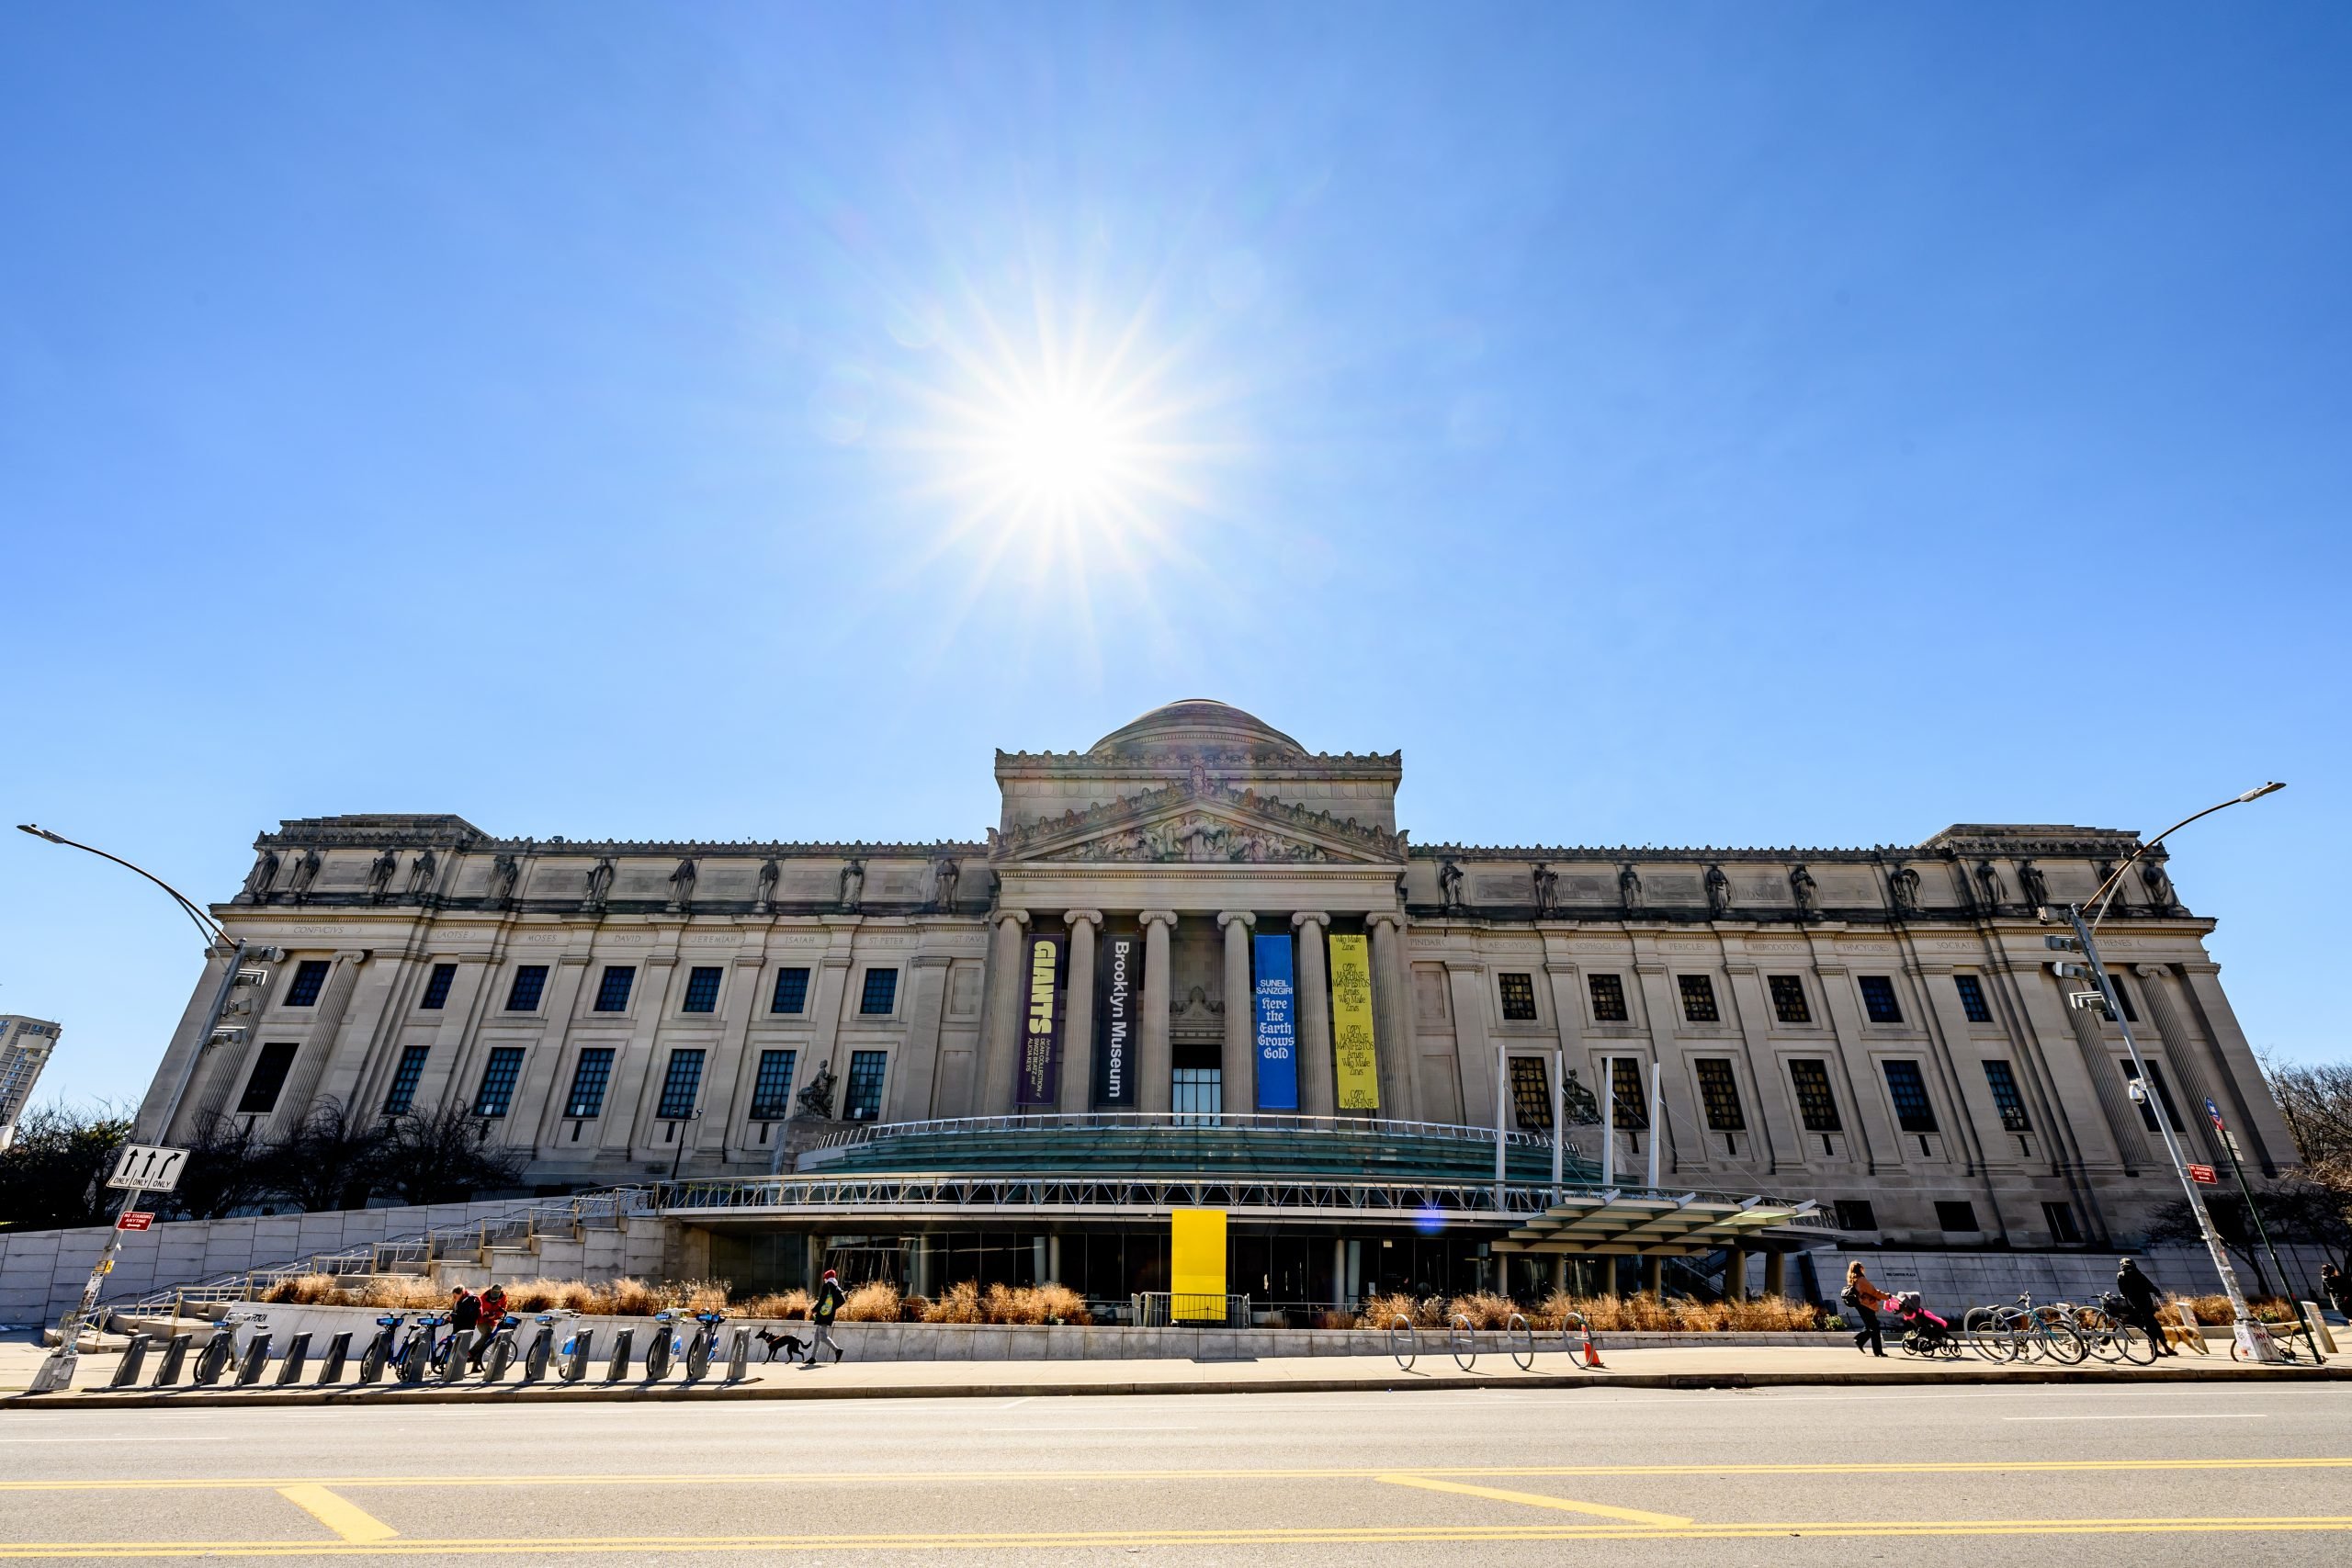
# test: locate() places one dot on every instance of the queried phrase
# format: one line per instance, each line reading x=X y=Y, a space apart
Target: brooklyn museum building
x=1196 y=965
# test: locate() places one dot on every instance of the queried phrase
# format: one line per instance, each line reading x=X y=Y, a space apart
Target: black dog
x=782 y=1345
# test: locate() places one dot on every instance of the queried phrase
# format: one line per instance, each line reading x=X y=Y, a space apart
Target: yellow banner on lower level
x=1196 y=1253
x=1352 y=1042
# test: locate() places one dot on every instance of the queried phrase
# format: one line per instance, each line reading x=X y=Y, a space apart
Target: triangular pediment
x=1200 y=821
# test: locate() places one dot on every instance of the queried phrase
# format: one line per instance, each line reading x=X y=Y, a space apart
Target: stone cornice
x=1258 y=761
x=1058 y=837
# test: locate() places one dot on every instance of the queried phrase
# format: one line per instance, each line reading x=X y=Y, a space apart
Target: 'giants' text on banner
x=1041 y=1035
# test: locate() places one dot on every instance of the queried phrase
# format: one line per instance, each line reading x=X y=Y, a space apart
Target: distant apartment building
x=25 y=1045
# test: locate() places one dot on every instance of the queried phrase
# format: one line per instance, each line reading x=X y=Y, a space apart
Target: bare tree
x=50 y=1178
x=444 y=1156
x=227 y=1170
x=332 y=1160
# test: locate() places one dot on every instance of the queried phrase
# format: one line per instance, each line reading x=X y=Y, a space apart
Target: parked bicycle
x=662 y=1346
x=382 y=1347
x=500 y=1353
x=424 y=1349
x=223 y=1350
x=2021 y=1332
x=703 y=1346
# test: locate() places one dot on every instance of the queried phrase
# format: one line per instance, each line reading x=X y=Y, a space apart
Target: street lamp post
x=2250 y=1333
x=57 y=1370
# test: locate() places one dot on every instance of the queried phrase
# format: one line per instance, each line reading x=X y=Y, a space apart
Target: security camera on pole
x=2250 y=1333
x=145 y=1167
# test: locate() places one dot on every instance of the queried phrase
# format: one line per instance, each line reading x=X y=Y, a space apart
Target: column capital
x=2149 y=971
x=355 y=954
x=1310 y=917
x=1018 y=917
x=1092 y=917
x=1230 y=918
x=1156 y=917
x=1386 y=918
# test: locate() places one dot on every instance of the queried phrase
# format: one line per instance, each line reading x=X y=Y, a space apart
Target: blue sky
x=1668 y=424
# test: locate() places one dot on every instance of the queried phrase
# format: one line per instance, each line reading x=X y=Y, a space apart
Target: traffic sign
x=2215 y=1112
x=135 y=1220
x=2202 y=1174
x=146 y=1167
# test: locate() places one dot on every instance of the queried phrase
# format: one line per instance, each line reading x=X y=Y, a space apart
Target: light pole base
x=55 y=1374
x=2254 y=1341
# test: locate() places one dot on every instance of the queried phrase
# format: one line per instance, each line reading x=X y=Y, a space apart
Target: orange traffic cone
x=1591 y=1351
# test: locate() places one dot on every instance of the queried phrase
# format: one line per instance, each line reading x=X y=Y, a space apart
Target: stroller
x=1924 y=1334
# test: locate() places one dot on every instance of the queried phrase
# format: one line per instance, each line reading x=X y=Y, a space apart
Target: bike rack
x=126 y=1372
x=739 y=1356
x=298 y=1351
x=621 y=1346
x=1412 y=1341
x=338 y=1352
x=256 y=1361
x=1525 y=1334
x=455 y=1366
x=206 y=1374
x=168 y=1370
x=575 y=1367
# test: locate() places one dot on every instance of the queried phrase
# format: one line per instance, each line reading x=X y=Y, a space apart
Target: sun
x=1060 y=450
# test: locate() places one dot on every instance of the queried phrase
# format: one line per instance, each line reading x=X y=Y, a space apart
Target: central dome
x=1196 y=724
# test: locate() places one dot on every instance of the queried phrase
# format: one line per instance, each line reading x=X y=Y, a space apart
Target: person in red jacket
x=1861 y=1298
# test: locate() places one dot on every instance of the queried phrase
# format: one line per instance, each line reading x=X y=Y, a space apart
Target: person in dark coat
x=820 y=1317
x=2335 y=1288
x=465 y=1315
x=2141 y=1300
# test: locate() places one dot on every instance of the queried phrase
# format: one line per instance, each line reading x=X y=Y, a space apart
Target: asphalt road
x=1910 y=1476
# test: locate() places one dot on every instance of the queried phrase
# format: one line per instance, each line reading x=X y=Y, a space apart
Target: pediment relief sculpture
x=1199 y=819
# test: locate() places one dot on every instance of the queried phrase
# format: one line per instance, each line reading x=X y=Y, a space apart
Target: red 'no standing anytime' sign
x=2202 y=1173
x=137 y=1219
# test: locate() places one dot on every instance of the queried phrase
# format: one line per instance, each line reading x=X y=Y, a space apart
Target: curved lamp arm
x=2100 y=900
x=204 y=922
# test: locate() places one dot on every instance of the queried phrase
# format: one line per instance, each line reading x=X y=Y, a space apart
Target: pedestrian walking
x=2335 y=1288
x=1863 y=1299
x=465 y=1316
x=493 y=1313
x=820 y=1317
x=2140 y=1301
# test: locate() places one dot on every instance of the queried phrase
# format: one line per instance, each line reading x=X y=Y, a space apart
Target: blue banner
x=1277 y=1026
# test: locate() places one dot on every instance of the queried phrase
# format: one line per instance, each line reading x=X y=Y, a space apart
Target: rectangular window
x=611 y=991
x=1197 y=1095
x=772 y=1090
x=863 y=1103
x=2060 y=1218
x=530 y=980
x=1971 y=999
x=679 y=1083
x=498 y=1080
x=1913 y=1113
x=405 y=1077
x=1719 y=1092
x=2005 y=1098
x=1531 y=1094
x=1878 y=999
x=1608 y=999
x=791 y=991
x=2124 y=995
x=702 y=988
x=2164 y=1093
x=1855 y=1215
x=268 y=1076
x=310 y=977
x=1816 y=1103
x=436 y=987
x=1955 y=1214
x=1631 y=1102
x=1518 y=997
x=1788 y=999
x=1698 y=998
x=588 y=1080
x=881 y=994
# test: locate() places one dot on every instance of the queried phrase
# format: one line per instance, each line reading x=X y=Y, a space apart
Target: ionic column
x=311 y=1060
x=1392 y=1017
x=1240 y=1012
x=1078 y=1022
x=2115 y=1104
x=2188 y=1084
x=1155 y=1059
x=1319 y=1093
x=1000 y=1053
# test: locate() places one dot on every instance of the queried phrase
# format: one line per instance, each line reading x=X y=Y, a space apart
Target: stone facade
x=26 y=1045
x=1824 y=1018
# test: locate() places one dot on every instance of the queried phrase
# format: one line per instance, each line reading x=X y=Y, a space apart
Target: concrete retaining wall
x=42 y=1272
x=1976 y=1279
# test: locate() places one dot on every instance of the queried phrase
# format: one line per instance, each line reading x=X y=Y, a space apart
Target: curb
x=376 y=1395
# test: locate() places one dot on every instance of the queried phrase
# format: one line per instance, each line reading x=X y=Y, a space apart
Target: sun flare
x=1060 y=451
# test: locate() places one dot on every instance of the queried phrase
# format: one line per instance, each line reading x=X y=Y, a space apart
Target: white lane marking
x=1010 y=1402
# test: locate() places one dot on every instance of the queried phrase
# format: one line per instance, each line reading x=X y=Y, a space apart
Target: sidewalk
x=1679 y=1367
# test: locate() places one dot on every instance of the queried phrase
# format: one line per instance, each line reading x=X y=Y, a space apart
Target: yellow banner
x=1196 y=1264
x=1352 y=1042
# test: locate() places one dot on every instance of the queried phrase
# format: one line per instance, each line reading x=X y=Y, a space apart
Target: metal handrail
x=1243 y=1121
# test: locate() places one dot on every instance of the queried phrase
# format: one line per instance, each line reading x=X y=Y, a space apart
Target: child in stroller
x=1924 y=1334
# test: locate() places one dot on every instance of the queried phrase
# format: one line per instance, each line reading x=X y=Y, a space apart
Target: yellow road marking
x=353 y=1523
x=901 y=1477
x=1537 y=1500
x=1363 y=1535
